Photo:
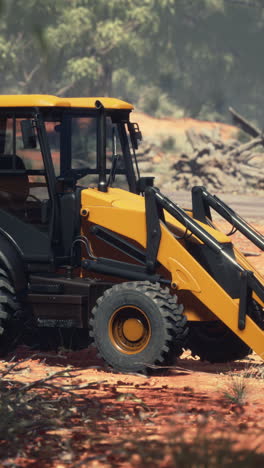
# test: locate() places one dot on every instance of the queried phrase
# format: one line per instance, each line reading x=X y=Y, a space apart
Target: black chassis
x=50 y=289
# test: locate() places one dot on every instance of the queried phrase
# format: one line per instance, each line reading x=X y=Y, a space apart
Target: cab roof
x=45 y=100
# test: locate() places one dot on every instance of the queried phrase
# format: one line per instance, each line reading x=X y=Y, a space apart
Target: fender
x=11 y=258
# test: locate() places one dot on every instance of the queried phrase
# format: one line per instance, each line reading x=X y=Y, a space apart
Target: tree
x=70 y=46
x=199 y=56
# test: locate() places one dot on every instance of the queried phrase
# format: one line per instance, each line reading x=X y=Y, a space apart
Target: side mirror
x=135 y=134
x=28 y=134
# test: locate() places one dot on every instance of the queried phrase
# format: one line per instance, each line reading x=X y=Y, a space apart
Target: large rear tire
x=216 y=343
x=137 y=325
x=10 y=313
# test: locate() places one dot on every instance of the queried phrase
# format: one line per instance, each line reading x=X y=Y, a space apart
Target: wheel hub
x=129 y=329
x=133 y=329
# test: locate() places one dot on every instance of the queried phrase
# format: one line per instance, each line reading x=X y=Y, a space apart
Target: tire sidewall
x=102 y=316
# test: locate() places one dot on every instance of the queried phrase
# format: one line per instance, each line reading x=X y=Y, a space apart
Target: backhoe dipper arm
x=203 y=200
x=125 y=215
x=248 y=282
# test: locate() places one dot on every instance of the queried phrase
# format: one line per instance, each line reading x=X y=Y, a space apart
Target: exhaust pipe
x=101 y=146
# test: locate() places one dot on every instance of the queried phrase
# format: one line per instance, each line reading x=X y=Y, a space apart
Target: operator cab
x=50 y=149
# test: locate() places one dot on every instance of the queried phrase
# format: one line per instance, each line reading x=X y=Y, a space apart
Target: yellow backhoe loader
x=88 y=245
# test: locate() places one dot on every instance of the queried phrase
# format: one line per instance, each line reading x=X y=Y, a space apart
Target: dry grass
x=236 y=389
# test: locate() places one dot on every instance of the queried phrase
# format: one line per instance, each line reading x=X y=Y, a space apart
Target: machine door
x=24 y=196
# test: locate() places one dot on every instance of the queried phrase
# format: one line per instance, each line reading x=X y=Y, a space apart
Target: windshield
x=84 y=147
x=75 y=138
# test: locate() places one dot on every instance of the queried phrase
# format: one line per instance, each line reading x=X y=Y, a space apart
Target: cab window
x=84 y=149
x=23 y=184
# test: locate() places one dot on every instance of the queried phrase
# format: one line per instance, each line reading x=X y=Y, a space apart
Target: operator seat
x=14 y=214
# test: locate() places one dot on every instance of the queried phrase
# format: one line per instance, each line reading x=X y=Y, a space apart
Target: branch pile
x=38 y=418
x=220 y=165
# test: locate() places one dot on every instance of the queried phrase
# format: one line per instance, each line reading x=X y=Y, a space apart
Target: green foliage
x=199 y=56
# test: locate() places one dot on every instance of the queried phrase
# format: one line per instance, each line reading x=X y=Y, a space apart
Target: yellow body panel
x=132 y=203
x=43 y=100
x=124 y=213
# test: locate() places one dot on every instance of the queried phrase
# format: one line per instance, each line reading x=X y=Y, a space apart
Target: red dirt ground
x=151 y=126
x=125 y=421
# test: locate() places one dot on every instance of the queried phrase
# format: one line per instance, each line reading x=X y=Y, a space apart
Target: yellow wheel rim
x=129 y=329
